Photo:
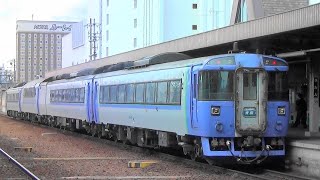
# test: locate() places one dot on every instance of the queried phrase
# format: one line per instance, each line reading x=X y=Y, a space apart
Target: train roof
x=170 y=65
x=33 y=83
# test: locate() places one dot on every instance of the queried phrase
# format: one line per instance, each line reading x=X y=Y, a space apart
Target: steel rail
x=25 y=170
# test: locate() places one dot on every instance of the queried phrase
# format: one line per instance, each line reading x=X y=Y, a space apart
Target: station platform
x=303 y=152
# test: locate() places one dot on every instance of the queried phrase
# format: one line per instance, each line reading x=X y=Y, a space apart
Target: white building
x=131 y=24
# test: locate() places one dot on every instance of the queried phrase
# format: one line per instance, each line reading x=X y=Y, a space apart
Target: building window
x=135 y=3
x=107 y=35
x=194 y=27
x=135 y=23
x=107 y=3
x=135 y=42
x=194 y=6
x=107 y=51
x=107 y=19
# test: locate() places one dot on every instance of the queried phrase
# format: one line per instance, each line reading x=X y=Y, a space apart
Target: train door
x=89 y=101
x=20 y=99
x=251 y=100
x=95 y=102
x=37 y=87
x=194 y=90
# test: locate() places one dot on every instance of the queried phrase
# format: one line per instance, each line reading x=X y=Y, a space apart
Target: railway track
x=19 y=165
x=264 y=174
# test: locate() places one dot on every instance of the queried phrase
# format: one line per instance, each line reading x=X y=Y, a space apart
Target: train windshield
x=215 y=85
x=278 y=89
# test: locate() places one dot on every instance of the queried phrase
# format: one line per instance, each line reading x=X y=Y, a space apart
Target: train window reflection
x=215 y=85
x=113 y=94
x=129 y=91
x=139 y=93
x=174 y=92
x=150 y=88
x=162 y=92
x=122 y=92
x=278 y=89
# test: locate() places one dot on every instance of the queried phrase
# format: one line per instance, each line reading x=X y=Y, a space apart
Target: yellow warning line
x=140 y=164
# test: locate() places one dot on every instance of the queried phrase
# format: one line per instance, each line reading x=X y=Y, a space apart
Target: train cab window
x=215 y=85
x=129 y=93
x=113 y=94
x=278 y=89
x=250 y=86
x=150 y=92
x=162 y=91
x=122 y=93
x=139 y=93
x=174 y=92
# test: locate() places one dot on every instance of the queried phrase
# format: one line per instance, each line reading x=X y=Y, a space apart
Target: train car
x=68 y=101
x=29 y=100
x=219 y=106
x=13 y=100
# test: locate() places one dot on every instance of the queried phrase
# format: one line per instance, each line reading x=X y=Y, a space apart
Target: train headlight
x=215 y=110
x=281 y=111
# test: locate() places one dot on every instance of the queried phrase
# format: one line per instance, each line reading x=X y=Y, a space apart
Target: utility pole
x=14 y=70
x=93 y=37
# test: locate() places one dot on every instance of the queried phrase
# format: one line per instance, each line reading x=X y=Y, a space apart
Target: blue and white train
x=217 y=107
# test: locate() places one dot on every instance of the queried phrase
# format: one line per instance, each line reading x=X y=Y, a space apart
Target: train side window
x=56 y=95
x=174 y=92
x=162 y=92
x=82 y=94
x=60 y=95
x=139 y=93
x=67 y=95
x=72 y=95
x=101 y=94
x=129 y=93
x=63 y=95
x=122 y=93
x=105 y=94
x=150 y=92
x=113 y=94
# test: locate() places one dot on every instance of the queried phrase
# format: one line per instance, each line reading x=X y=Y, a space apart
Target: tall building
x=39 y=47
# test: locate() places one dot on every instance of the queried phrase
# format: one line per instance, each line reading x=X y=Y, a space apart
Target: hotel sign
x=43 y=26
x=54 y=27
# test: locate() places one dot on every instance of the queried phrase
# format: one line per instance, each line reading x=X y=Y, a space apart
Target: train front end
x=241 y=109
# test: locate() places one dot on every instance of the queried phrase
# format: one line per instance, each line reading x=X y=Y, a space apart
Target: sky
x=42 y=10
